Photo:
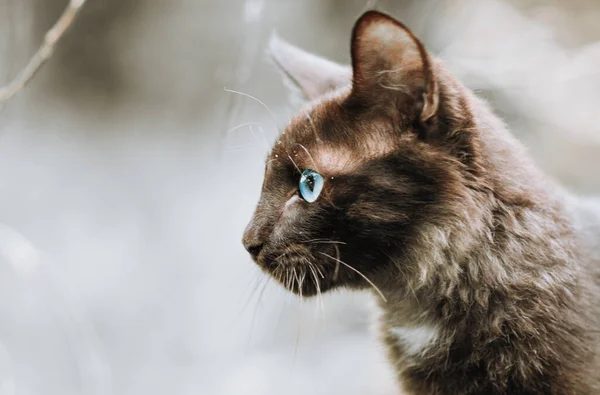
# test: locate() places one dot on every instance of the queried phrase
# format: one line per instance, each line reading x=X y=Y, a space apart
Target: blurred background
x=128 y=172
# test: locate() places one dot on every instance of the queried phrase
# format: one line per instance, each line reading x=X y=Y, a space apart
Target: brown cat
x=398 y=178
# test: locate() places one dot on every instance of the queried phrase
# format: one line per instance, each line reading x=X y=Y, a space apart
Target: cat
x=399 y=179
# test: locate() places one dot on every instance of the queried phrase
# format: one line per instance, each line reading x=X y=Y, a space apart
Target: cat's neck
x=514 y=238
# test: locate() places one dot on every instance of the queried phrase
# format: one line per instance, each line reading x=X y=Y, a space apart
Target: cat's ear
x=313 y=74
x=390 y=65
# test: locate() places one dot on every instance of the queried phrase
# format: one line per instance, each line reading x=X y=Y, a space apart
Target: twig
x=44 y=52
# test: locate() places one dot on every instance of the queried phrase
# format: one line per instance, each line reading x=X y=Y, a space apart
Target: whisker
x=262 y=291
x=317 y=285
x=312 y=271
x=297 y=278
x=278 y=325
x=292 y=279
x=320 y=272
x=312 y=124
x=249 y=271
x=302 y=278
x=276 y=275
x=295 y=165
x=312 y=266
x=253 y=98
x=310 y=156
x=257 y=282
x=282 y=276
x=324 y=242
x=279 y=256
x=289 y=277
x=242 y=125
x=296 y=346
x=256 y=310
x=262 y=140
x=336 y=272
x=268 y=142
x=359 y=273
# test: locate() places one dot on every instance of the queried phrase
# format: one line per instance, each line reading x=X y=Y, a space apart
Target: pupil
x=310 y=181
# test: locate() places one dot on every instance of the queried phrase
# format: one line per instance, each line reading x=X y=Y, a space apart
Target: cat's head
x=355 y=178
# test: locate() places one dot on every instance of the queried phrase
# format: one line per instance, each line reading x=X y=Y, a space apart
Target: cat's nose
x=252 y=245
x=251 y=241
x=253 y=249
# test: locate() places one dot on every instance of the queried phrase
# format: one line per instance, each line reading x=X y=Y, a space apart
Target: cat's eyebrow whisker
x=262 y=140
x=254 y=98
x=314 y=129
x=310 y=156
x=241 y=125
x=295 y=165
x=358 y=272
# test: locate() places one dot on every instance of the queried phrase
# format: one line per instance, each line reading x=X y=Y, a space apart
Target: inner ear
x=313 y=74
x=390 y=65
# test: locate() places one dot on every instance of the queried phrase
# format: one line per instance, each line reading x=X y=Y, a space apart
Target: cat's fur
x=489 y=279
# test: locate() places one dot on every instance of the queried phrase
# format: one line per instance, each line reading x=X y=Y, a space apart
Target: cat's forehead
x=329 y=139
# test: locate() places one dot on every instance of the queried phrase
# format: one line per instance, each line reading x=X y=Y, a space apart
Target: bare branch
x=44 y=52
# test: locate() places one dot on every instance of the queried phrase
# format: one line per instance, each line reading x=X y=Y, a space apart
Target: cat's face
x=353 y=177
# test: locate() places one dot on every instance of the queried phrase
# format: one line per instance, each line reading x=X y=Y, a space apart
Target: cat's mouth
x=301 y=269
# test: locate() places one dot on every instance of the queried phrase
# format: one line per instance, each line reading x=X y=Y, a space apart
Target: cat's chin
x=297 y=270
x=307 y=290
x=304 y=280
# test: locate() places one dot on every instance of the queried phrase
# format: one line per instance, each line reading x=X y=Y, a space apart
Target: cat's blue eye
x=311 y=184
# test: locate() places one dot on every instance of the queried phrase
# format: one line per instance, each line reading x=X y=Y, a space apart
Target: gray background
x=126 y=181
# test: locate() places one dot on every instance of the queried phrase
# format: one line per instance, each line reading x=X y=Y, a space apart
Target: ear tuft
x=313 y=74
x=387 y=59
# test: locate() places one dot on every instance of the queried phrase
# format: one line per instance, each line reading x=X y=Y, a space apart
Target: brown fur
x=428 y=196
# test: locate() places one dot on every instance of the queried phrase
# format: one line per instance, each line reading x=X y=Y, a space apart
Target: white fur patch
x=415 y=340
